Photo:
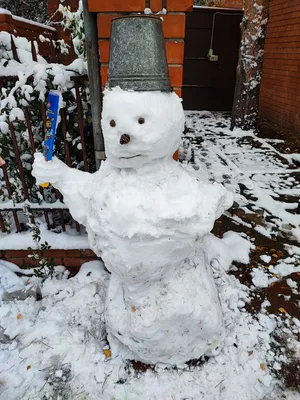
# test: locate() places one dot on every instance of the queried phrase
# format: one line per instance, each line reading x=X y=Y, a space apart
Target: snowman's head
x=140 y=127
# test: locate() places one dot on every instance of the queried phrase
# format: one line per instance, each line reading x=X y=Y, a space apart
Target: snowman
x=147 y=216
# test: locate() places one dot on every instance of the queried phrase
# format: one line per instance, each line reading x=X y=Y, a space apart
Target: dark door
x=209 y=85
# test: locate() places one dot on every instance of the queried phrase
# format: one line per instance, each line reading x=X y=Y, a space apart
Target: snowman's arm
x=74 y=185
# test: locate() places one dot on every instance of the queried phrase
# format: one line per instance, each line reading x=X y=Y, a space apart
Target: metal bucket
x=137 y=58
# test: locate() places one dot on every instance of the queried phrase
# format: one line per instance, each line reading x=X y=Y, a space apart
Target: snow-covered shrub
x=73 y=21
x=30 y=89
x=208 y=3
x=46 y=266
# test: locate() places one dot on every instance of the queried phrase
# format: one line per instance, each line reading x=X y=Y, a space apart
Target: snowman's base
x=171 y=321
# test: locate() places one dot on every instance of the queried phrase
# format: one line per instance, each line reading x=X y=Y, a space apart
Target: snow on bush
x=29 y=88
x=73 y=21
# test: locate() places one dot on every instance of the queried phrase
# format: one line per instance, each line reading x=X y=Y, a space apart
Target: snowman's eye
x=112 y=123
x=141 y=120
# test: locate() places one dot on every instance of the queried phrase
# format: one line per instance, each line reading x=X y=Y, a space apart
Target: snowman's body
x=146 y=216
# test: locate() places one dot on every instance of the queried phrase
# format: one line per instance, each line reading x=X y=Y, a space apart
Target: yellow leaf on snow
x=28 y=367
x=262 y=366
x=19 y=316
x=107 y=353
x=281 y=309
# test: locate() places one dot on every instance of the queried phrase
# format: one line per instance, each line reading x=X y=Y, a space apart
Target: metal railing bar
x=46 y=214
x=19 y=162
x=64 y=131
x=63 y=225
x=80 y=123
x=28 y=123
x=2 y=224
x=9 y=191
x=14 y=49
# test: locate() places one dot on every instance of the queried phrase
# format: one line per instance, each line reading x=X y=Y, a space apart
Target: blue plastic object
x=51 y=124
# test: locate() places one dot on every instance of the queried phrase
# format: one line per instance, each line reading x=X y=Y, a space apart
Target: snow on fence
x=57 y=208
x=25 y=81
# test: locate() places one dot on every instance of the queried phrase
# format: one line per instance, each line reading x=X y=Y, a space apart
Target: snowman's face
x=140 y=127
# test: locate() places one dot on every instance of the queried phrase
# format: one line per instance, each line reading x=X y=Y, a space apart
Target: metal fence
x=56 y=214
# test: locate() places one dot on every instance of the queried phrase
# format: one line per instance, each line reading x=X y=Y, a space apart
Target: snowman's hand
x=48 y=171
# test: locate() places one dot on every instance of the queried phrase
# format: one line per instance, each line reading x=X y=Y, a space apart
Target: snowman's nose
x=124 y=139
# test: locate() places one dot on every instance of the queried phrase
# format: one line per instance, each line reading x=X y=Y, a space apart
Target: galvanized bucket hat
x=137 y=54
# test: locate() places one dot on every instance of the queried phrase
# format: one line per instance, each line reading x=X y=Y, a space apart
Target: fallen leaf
x=133 y=309
x=19 y=316
x=28 y=367
x=262 y=366
x=250 y=353
x=107 y=353
x=281 y=309
x=275 y=255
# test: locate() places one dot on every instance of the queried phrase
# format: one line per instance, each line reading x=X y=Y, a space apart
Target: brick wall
x=280 y=89
x=71 y=259
x=173 y=26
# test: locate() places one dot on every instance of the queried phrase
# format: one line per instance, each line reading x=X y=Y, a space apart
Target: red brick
x=73 y=262
x=88 y=253
x=16 y=254
x=175 y=73
x=62 y=253
x=18 y=261
x=58 y=260
x=104 y=23
x=175 y=52
x=172 y=5
x=104 y=50
x=104 y=74
x=173 y=25
x=31 y=262
x=116 y=5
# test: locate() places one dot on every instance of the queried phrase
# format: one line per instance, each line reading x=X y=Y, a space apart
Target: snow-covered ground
x=56 y=348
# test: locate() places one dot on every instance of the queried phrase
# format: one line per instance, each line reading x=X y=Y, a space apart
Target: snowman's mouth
x=128 y=158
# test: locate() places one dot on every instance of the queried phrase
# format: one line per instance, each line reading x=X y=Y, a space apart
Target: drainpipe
x=91 y=41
